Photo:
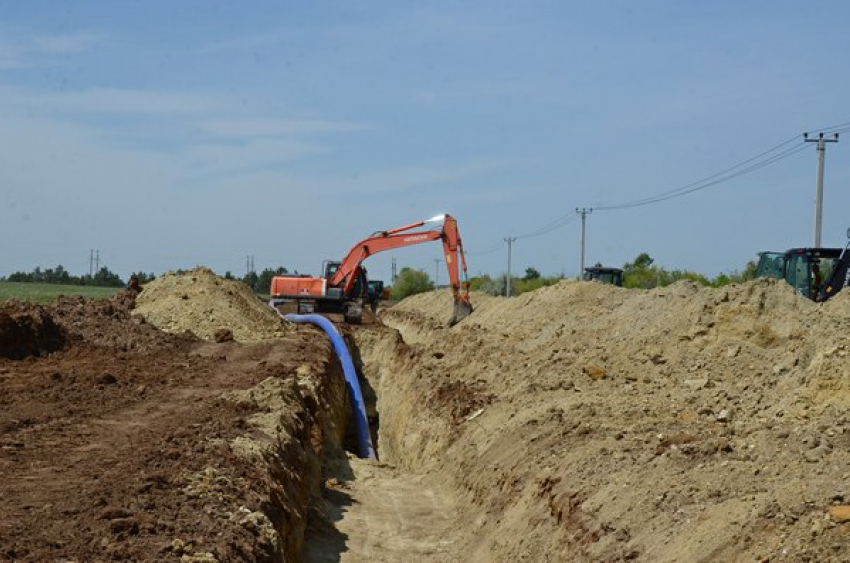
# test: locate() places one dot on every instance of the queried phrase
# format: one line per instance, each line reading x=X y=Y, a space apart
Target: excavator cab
x=361 y=284
x=805 y=269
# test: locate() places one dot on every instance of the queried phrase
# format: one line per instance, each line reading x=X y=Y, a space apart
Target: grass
x=46 y=292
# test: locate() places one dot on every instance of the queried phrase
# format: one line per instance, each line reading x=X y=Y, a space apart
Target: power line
x=490 y=250
x=762 y=159
x=716 y=178
x=556 y=224
x=831 y=128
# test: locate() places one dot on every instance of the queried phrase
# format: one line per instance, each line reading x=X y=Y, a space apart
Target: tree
x=250 y=279
x=479 y=283
x=531 y=274
x=410 y=282
x=143 y=278
x=105 y=278
x=641 y=273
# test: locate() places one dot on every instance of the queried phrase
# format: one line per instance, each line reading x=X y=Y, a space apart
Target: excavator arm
x=408 y=235
x=840 y=277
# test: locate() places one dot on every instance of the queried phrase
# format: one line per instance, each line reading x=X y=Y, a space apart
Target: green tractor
x=816 y=273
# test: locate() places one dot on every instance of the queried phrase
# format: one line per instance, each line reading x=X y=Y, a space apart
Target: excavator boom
x=407 y=235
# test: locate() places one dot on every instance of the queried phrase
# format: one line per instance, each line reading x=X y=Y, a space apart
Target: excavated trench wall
x=408 y=434
x=300 y=423
x=590 y=423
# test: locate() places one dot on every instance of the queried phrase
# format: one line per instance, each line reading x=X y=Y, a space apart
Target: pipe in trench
x=361 y=423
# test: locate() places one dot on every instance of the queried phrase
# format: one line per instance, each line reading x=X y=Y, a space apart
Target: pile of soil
x=209 y=307
x=585 y=422
x=122 y=442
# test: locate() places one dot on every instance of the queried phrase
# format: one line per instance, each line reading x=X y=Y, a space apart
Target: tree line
x=60 y=276
x=260 y=283
x=641 y=273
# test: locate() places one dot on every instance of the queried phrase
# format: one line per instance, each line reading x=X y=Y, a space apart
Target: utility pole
x=91 y=262
x=436 y=273
x=395 y=273
x=583 y=212
x=509 y=240
x=821 y=141
x=97 y=261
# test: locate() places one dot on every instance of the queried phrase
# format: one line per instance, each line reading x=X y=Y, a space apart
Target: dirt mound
x=108 y=322
x=676 y=424
x=206 y=305
x=27 y=330
x=126 y=444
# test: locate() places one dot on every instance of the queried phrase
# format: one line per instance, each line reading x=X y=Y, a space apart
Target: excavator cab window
x=771 y=265
x=827 y=265
x=330 y=268
x=798 y=273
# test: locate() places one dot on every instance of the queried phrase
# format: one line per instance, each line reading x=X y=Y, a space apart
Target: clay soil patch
x=115 y=443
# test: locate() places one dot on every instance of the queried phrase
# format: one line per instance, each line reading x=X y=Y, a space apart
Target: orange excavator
x=343 y=287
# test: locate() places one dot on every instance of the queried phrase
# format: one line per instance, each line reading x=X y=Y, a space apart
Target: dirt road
x=383 y=515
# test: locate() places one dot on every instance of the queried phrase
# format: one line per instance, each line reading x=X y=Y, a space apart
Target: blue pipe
x=361 y=423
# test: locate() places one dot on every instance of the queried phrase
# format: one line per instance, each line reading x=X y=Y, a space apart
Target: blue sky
x=173 y=134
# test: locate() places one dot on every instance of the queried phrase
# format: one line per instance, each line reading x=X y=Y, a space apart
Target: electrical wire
x=831 y=128
x=764 y=158
x=490 y=250
x=716 y=179
x=557 y=224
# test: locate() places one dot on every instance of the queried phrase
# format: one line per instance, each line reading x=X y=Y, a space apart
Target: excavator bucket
x=462 y=309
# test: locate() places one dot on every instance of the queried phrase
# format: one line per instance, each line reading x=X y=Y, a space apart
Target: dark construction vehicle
x=604 y=274
x=816 y=273
x=375 y=292
x=343 y=288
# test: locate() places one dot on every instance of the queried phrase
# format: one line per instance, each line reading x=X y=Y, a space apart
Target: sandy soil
x=210 y=307
x=602 y=424
x=580 y=422
x=381 y=514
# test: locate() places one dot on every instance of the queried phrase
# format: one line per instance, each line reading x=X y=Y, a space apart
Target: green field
x=45 y=292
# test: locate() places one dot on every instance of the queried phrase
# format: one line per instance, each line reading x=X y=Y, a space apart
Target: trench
x=386 y=509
